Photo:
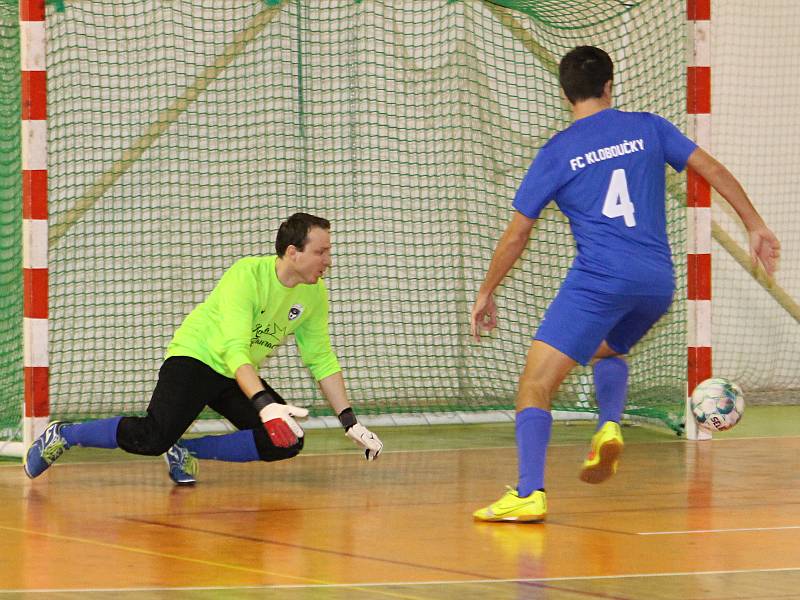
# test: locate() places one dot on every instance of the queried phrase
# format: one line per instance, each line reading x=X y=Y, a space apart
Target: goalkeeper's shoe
x=604 y=454
x=182 y=465
x=510 y=507
x=45 y=450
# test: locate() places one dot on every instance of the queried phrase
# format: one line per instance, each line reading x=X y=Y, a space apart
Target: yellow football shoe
x=604 y=455
x=510 y=507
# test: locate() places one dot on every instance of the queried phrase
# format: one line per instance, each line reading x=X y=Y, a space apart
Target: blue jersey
x=606 y=174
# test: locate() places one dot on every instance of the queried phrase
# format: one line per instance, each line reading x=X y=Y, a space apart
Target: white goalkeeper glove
x=362 y=436
x=279 y=420
x=370 y=442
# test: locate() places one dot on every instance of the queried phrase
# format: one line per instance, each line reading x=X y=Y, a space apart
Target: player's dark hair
x=583 y=73
x=294 y=231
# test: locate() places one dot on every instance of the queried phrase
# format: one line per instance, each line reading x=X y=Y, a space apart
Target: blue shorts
x=579 y=319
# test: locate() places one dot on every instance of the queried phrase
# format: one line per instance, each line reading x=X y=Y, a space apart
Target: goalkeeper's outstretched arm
x=333 y=389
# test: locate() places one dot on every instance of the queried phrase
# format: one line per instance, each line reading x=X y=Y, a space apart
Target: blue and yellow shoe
x=183 y=467
x=603 y=457
x=510 y=507
x=45 y=450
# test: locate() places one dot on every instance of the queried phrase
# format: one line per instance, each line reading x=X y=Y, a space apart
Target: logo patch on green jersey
x=295 y=311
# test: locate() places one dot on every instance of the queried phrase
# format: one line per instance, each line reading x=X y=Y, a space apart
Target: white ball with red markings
x=717 y=404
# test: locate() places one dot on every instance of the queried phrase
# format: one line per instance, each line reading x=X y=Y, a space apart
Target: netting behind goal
x=755 y=49
x=11 y=381
x=181 y=135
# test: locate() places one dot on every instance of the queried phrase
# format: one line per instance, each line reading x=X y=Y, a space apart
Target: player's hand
x=279 y=421
x=370 y=442
x=765 y=248
x=484 y=315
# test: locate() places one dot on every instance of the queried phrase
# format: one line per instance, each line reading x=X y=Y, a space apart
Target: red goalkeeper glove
x=279 y=419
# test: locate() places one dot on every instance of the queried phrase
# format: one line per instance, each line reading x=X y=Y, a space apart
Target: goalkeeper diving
x=213 y=361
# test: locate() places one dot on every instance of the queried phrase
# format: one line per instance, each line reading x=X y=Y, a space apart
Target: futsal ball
x=717 y=404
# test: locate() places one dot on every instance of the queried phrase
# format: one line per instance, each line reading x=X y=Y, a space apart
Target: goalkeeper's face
x=315 y=258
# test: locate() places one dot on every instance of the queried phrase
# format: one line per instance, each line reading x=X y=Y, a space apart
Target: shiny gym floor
x=681 y=520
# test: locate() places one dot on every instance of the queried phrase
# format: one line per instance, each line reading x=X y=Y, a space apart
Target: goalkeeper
x=213 y=359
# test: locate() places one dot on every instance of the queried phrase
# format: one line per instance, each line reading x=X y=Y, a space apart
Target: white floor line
x=344 y=453
x=144 y=459
x=690 y=531
x=405 y=583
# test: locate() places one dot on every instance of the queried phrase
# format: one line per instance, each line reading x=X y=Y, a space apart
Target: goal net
x=11 y=374
x=181 y=135
x=754 y=132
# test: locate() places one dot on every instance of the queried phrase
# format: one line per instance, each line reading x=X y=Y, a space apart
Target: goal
x=179 y=136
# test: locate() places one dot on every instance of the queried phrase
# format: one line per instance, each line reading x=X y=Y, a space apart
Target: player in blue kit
x=606 y=174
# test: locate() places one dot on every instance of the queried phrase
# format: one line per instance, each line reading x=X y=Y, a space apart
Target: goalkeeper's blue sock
x=533 y=435
x=611 y=388
x=239 y=446
x=93 y=434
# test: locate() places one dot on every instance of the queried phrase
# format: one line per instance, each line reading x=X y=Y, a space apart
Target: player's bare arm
x=509 y=248
x=764 y=246
x=248 y=380
x=335 y=393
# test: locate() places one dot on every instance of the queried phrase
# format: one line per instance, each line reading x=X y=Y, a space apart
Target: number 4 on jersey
x=618 y=201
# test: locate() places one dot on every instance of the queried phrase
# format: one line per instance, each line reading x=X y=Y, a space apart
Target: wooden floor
x=681 y=520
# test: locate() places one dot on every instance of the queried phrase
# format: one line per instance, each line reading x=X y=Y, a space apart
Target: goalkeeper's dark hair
x=294 y=231
x=583 y=73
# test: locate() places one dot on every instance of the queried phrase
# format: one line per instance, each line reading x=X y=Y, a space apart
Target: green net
x=180 y=135
x=11 y=381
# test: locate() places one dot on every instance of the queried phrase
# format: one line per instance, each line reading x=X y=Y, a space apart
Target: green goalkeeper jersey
x=249 y=314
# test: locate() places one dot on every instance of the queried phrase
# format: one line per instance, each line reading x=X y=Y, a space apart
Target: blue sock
x=611 y=388
x=239 y=446
x=533 y=435
x=93 y=434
